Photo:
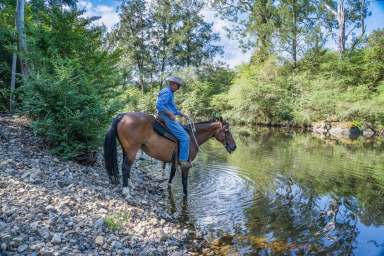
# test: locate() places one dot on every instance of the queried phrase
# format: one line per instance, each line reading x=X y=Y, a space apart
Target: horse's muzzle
x=230 y=148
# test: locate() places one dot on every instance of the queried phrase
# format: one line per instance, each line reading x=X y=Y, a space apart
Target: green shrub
x=374 y=58
x=70 y=108
x=260 y=95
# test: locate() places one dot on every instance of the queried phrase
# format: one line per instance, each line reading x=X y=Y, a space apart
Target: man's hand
x=185 y=116
x=171 y=116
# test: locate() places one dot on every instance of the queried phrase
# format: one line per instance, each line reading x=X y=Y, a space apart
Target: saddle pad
x=164 y=131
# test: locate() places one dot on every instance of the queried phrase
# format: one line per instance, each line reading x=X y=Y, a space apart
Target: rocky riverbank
x=54 y=207
x=335 y=130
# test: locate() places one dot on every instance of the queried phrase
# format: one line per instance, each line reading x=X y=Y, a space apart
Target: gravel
x=54 y=207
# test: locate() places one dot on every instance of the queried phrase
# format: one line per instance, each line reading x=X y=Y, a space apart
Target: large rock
x=337 y=129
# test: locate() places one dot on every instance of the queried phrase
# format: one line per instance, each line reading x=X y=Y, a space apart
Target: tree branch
x=329 y=8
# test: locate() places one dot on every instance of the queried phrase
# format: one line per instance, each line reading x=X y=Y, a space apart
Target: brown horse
x=134 y=131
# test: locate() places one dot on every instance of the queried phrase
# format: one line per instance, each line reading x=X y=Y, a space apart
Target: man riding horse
x=168 y=111
x=137 y=131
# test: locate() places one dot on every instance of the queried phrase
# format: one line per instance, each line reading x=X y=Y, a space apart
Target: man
x=168 y=111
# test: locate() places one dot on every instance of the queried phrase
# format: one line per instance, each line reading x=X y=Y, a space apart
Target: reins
x=192 y=126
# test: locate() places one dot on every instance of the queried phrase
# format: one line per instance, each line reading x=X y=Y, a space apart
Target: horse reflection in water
x=183 y=216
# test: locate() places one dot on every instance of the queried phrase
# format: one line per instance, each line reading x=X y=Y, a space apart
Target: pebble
x=22 y=248
x=99 y=240
x=3 y=225
x=34 y=225
x=99 y=223
x=116 y=245
x=3 y=246
x=56 y=239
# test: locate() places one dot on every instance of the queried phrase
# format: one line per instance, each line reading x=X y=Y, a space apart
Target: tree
x=346 y=16
x=194 y=39
x=133 y=36
x=296 y=20
x=164 y=25
x=161 y=37
x=262 y=24
x=239 y=13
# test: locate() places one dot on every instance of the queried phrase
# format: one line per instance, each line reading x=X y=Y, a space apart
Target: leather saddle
x=160 y=128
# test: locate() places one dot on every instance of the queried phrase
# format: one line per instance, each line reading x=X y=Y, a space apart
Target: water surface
x=290 y=194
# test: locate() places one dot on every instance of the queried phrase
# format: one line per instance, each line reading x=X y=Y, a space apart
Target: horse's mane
x=210 y=121
x=205 y=122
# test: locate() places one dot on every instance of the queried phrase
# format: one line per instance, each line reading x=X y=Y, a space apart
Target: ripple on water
x=217 y=195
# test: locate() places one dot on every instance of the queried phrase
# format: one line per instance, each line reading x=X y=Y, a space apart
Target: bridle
x=192 y=126
x=226 y=130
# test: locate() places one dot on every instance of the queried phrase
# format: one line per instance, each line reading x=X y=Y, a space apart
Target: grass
x=116 y=221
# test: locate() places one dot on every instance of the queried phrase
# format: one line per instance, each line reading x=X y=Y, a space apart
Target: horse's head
x=224 y=136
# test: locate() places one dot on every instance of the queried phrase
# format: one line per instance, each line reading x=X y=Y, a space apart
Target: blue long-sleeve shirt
x=165 y=101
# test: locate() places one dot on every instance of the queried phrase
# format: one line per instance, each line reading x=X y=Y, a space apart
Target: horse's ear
x=214 y=119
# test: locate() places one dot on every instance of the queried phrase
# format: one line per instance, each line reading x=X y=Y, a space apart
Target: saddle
x=160 y=128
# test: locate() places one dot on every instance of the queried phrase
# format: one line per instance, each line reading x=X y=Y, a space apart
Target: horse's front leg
x=184 y=177
x=173 y=171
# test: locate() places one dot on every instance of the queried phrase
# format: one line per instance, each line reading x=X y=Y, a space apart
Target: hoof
x=126 y=192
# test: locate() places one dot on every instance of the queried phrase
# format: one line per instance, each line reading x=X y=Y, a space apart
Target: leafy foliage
x=259 y=94
x=70 y=91
x=7 y=38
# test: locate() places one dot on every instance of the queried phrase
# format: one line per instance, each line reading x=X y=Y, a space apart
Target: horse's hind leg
x=126 y=170
x=128 y=160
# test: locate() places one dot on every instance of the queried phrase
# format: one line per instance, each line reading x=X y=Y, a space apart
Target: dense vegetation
x=326 y=87
x=72 y=79
x=73 y=76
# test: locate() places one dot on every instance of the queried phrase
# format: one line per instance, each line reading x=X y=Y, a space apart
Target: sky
x=233 y=55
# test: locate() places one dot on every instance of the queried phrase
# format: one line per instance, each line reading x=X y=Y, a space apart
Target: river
x=287 y=193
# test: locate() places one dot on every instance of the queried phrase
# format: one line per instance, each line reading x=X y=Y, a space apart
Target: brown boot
x=185 y=164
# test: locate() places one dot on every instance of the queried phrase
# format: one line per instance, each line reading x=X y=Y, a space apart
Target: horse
x=134 y=131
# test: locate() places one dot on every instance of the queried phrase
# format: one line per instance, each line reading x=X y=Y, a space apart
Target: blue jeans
x=180 y=133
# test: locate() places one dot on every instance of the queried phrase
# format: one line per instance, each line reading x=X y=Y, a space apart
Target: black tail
x=110 y=151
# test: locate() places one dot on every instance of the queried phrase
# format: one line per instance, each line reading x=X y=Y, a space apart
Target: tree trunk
x=362 y=16
x=13 y=83
x=341 y=21
x=21 y=36
x=294 y=34
x=340 y=16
